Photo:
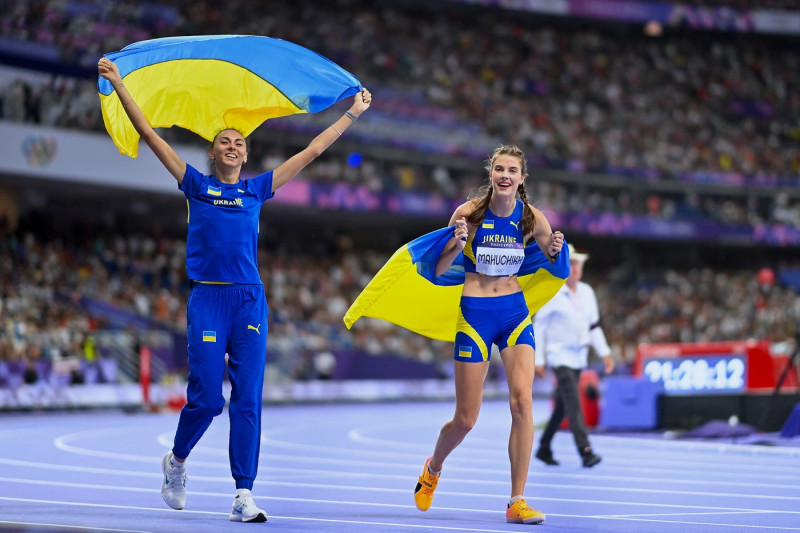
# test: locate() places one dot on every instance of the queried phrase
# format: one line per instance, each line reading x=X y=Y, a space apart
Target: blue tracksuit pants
x=224 y=319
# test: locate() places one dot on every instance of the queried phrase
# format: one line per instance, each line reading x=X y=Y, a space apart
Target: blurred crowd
x=746 y=5
x=591 y=100
x=44 y=283
x=37 y=323
x=577 y=97
x=667 y=305
x=68 y=103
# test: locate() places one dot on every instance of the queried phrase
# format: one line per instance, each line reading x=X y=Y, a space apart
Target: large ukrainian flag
x=210 y=83
x=406 y=291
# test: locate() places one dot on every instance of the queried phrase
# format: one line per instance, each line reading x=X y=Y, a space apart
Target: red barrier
x=144 y=373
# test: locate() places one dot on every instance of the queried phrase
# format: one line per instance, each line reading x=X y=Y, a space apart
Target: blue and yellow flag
x=406 y=291
x=210 y=83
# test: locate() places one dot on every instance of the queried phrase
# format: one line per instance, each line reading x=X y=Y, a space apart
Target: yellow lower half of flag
x=220 y=95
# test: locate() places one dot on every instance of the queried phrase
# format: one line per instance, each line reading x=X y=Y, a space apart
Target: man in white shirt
x=565 y=328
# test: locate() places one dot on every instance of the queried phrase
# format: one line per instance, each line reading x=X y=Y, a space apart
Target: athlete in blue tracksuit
x=227 y=310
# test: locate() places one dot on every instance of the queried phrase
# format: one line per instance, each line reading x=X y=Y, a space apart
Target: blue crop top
x=497 y=248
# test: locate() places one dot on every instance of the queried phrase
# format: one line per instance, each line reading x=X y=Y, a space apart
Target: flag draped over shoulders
x=210 y=83
x=406 y=291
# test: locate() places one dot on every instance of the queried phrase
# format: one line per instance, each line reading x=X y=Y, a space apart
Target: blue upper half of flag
x=310 y=80
x=214 y=82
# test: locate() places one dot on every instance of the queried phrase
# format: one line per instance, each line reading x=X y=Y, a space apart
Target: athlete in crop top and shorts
x=492 y=230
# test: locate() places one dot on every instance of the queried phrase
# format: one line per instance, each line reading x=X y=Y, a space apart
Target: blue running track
x=353 y=467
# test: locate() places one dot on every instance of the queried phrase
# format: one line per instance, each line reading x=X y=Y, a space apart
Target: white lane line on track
x=686 y=522
x=87 y=528
x=389 y=524
x=264 y=471
x=382 y=490
x=62 y=444
x=63 y=441
x=644 y=446
x=456 y=464
x=698 y=470
x=538 y=484
x=754 y=449
x=88 y=434
x=537 y=475
x=272 y=517
x=723 y=464
x=645 y=515
x=650 y=474
x=635 y=452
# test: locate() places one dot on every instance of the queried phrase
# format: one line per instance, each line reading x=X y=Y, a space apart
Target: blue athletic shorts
x=501 y=320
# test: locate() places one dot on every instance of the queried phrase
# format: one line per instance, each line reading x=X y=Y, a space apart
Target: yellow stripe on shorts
x=465 y=327
x=512 y=339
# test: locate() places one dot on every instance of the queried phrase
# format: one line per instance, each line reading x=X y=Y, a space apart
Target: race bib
x=499 y=259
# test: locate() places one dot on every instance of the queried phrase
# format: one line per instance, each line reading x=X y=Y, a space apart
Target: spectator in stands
x=567 y=326
x=585 y=99
x=227 y=309
x=493 y=311
x=30 y=375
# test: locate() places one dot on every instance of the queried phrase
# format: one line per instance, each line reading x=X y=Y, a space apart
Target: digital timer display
x=698 y=374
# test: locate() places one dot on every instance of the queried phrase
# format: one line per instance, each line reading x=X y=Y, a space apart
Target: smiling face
x=229 y=150
x=506 y=174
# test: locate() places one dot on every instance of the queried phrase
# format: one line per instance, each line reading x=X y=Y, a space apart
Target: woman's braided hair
x=484 y=194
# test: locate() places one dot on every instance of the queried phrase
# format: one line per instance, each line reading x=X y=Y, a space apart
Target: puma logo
x=515 y=224
x=254 y=327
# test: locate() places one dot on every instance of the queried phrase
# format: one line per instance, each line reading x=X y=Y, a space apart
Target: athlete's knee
x=209 y=407
x=464 y=422
x=521 y=403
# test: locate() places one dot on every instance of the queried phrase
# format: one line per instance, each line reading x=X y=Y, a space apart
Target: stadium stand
x=624 y=131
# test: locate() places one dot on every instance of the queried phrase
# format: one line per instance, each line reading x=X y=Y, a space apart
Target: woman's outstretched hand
x=361 y=102
x=109 y=70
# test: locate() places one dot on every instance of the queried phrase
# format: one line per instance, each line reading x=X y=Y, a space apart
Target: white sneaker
x=245 y=509
x=173 y=490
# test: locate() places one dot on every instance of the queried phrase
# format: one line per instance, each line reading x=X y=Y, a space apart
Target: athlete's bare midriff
x=487 y=286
